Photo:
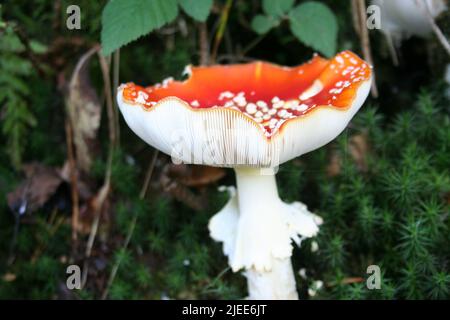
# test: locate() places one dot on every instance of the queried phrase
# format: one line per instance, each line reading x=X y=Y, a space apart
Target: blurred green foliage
x=14 y=93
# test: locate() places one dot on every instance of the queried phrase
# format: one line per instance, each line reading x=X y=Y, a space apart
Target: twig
x=355 y=17
x=104 y=190
x=73 y=186
x=208 y=288
x=391 y=48
x=360 y=6
x=116 y=74
x=105 y=65
x=56 y=21
x=252 y=44
x=437 y=31
x=130 y=232
x=203 y=43
x=220 y=31
x=346 y=281
x=148 y=174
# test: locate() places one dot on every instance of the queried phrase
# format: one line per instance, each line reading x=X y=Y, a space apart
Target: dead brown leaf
x=195 y=175
x=9 y=277
x=358 y=148
x=84 y=110
x=40 y=184
x=179 y=181
x=182 y=193
x=334 y=165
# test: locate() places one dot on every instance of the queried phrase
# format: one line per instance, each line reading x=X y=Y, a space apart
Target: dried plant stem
x=116 y=75
x=104 y=190
x=438 y=32
x=149 y=174
x=355 y=17
x=203 y=43
x=253 y=44
x=73 y=186
x=102 y=195
x=392 y=50
x=130 y=232
x=346 y=281
x=359 y=18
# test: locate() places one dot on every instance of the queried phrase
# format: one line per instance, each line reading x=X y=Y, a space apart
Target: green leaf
x=314 y=24
x=126 y=20
x=38 y=47
x=277 y=8
x=262 y=24
x=197 y=9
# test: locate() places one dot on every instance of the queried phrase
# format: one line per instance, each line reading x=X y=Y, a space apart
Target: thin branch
x=221 y=29
x=345 y=281
x=102 y=195
x=363 y=32
x=203 y=44
x=437 y=31
x=104 y=190
x=252 y=44
x=355 y=17
x=116 y=77
x=56 y=20
x=392 y=49
x=73 y=186
x=73 y=166
x=148 y=175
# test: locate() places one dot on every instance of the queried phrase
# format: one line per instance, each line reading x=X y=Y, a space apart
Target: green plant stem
x=221 y=30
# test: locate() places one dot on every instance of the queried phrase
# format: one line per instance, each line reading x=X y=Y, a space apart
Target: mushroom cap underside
x=255 y=114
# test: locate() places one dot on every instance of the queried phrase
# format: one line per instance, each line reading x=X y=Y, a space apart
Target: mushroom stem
x=276 y=284
x=260 y=210
x=257 y=230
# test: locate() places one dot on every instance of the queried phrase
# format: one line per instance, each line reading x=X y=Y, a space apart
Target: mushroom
x=252 y=117
x=401 y=19
x=405 y=18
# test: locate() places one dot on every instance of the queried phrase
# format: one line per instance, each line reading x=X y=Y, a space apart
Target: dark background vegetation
x=382 y=187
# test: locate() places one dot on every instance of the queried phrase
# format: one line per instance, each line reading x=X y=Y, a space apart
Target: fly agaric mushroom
x=252 y=117
x=401 y=19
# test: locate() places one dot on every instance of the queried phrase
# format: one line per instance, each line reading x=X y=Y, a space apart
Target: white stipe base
x=257 y=230
x=276 y=284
